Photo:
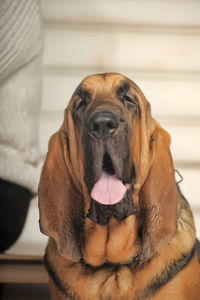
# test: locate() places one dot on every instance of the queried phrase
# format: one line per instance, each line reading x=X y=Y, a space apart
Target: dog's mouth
x=109 y=189
x=107 y=165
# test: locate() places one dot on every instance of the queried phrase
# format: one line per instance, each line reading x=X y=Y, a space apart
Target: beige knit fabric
x=20 y=91
x=20 y=34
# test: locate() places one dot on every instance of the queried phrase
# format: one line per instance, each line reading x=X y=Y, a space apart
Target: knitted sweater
x=20 y=91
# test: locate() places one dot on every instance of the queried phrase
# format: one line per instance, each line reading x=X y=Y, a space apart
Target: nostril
x=96 y=127
x=102 y=124
x=111 y=125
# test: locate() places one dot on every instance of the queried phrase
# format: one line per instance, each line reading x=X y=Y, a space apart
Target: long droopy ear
x=61 y=200
x=158 y=195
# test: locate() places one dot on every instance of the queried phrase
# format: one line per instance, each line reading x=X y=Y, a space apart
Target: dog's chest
x=110 y=284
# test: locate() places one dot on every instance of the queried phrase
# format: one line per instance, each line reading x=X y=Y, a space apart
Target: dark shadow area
x=13 y=291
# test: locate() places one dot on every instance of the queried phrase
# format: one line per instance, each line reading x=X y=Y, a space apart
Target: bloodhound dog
x=118 y=226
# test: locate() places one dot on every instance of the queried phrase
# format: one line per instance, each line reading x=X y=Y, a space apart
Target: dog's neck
x=141 y=293
x=140 y=280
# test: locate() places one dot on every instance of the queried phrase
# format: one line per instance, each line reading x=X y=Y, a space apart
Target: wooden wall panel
x=181 y=13
x=114 y=49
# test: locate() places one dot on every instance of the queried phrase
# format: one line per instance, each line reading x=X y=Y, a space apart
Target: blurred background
x=156 y=43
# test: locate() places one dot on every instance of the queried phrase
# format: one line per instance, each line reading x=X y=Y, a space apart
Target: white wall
x=154 y=42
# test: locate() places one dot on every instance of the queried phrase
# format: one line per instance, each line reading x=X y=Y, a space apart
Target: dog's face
x=103 y=185
x=105 y=108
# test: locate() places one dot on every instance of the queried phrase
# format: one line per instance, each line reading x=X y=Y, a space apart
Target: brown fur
x=121 y=259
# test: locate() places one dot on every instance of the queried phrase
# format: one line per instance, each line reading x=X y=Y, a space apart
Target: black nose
x=102 y=125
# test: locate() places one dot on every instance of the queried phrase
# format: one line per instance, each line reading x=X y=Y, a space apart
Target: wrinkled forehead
x=107 y=83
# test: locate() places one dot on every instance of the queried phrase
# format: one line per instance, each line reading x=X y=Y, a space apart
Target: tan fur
x=121 y=245
x=168 y=230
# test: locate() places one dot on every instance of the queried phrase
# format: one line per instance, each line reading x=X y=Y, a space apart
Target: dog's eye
x=129 y=103
x=81 y=104
x=79 y=107
x=81 y=99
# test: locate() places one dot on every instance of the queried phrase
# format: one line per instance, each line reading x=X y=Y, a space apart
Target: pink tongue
x=108 y=189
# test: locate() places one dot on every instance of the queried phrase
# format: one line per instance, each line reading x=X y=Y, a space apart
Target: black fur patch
x=61 y=286
x=122 y=90
x=82 y=93
x=197 y=249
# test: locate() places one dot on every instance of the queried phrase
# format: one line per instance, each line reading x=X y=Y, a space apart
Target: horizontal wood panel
x=23 y=273
x=109 y=49
x=170 y=97
x=21 y=258
x=190 y=186
x=185 y=13
x=185 y=140
x=190 y=189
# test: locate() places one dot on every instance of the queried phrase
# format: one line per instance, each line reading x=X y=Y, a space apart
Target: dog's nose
x=102 y=125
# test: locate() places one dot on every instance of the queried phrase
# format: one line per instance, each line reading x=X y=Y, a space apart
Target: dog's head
x=109 y=160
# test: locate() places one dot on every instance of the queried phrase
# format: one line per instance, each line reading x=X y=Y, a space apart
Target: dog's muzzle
x=110 y=196
x=102 y=125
